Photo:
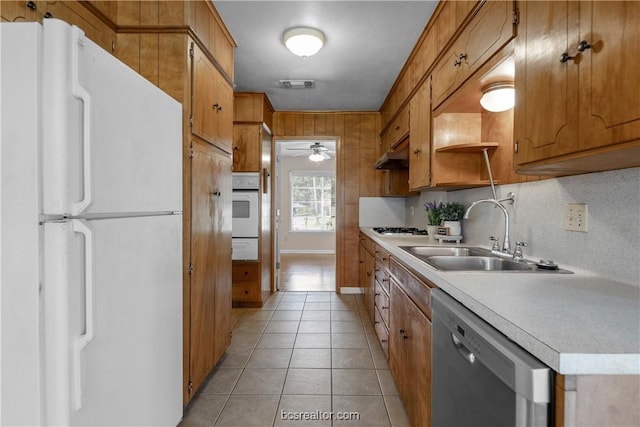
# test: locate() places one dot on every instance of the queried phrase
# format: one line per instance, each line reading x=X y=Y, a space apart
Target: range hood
x=394 y=160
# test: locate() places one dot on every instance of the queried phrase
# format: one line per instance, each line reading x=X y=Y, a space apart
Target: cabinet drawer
x=397 y=130
x=244 y=272
x=382 y=257
x=242 y=292
x=382 y=303
x=489 y=30
x=418 y=291
x=382 y=277
x=382 y=332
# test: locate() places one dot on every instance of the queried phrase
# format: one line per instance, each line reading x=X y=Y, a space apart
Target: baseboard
x=350 y=290
x=307 y=251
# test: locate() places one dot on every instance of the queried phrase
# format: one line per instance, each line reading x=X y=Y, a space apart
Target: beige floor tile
x=294 y=297
x=349 y=341
x=250 y=326
x=310 y=358
x=222 y=381
x=351 y=358
x=235 y=357
x=344 y=305
x=371 y=411
x=282 y=327
x=314 y=327
x=396 y=412
x=313 y=341
x=291 y=305
x=261 y=381
x=318 y=297
x=316 y=315
x=308 y=381
x=244 y=339
x=346 y=327
x=348 y=316
x=379 y=359
x=317 y=305
x=249 y=411
x=204 y=410
x=287 y=315
x=269 y=358
x=314 y=408
x=257 y=314
x=355 y=382
x=276 y=341
x=387 y=383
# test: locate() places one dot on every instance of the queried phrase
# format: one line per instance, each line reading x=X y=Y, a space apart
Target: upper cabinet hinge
x=516 y=17
x=515 y=147
x=191 y=153
x=190 y=386
x=191 y=51
x=190 y=268
x=191 y=121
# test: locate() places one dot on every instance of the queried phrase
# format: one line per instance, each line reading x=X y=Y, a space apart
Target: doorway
x=305 y=214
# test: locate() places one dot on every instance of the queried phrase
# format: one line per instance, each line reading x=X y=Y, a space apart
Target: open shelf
x=471 y=147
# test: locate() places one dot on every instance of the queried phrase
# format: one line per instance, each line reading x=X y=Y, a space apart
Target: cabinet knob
x=565 y=57
x=246 y=292
x=47 y=15
x=398 y=127
x=416 y=151
x=583 y=45
x=402 y=331
x=217 y=107
x=32 y=5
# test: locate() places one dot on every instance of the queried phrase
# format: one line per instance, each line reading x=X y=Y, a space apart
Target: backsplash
x=611 y=246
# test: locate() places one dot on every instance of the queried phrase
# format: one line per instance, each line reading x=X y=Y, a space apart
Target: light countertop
x=577 y=324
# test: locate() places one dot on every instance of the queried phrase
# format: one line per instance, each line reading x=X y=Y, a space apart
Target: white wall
x=611 y=246
x=298 y=241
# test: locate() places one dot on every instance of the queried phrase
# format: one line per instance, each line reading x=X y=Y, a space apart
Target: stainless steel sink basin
x=429 y=251
x=477 y=263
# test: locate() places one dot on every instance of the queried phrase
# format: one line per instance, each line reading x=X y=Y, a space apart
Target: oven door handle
x=463 y=350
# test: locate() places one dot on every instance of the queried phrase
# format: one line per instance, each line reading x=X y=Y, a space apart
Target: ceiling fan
x=318 y=152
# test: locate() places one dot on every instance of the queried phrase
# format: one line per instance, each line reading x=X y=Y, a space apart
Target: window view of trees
x=313 y=201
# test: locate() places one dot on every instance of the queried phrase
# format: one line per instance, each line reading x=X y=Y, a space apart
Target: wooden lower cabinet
x=247 y=284
x=367 y=273
x=210 y=280
x=410 y=355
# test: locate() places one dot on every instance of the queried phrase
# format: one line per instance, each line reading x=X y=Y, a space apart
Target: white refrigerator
x=91 y=236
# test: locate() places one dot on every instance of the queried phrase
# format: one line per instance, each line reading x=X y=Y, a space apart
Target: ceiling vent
x=297 y=84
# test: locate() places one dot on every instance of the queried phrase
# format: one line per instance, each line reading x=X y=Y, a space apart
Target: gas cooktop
x=399 y=231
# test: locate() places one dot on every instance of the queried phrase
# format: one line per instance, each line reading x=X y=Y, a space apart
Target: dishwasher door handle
x=462 y=350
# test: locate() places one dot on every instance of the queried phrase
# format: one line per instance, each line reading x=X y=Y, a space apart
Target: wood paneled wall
x=357 y=135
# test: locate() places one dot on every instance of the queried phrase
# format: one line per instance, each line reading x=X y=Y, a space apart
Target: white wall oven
x=246 y=215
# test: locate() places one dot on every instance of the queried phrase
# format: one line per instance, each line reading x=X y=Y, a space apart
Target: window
x=313 y=201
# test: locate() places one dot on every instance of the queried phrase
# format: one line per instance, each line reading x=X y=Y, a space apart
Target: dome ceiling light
x=497 y=97
x=303 y=41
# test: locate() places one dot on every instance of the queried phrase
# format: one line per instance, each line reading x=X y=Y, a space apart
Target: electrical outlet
x=575 y=218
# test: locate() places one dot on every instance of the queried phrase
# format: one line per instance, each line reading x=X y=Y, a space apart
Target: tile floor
x=303 y=354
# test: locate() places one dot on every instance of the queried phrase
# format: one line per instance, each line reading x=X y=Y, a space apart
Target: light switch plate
x=575 y=218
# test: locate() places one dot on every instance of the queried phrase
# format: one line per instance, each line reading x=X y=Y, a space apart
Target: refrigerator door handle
x=84 y=339
x=80 y=93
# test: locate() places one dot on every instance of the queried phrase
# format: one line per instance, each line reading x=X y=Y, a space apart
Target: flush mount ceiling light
x=498 y=97
x=303 y=41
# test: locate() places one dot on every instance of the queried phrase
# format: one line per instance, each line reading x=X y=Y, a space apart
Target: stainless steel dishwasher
x=479 y=377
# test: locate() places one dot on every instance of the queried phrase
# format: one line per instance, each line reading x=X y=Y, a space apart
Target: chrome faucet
x=505 y=252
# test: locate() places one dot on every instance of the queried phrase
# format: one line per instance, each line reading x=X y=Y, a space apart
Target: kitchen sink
x=477 y=263
x=455 y=258
x=429 y=251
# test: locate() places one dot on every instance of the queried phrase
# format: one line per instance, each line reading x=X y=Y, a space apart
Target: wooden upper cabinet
x=487 y=32
x=581 y=112
x=253 y=107
x=420 y=138
x=247 y=153
x=212 y=102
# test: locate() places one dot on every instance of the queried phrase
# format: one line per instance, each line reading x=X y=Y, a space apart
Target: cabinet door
x=420 y=139
x=222 y=219
x=210 y=315
x=247 y=141
x=546 y=114
x=203 y=277
x=212 y=99
x=489 y=30
x=418 y=342
x=608 y=72
x=369 y=268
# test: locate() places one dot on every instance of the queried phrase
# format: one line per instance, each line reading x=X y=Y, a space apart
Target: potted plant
x=434 y=217
x=452 y=213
